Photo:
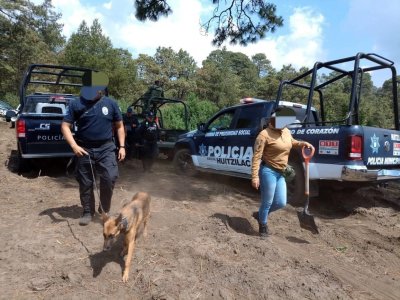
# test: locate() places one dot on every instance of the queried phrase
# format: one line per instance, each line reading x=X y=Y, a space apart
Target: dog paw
x=125 y=277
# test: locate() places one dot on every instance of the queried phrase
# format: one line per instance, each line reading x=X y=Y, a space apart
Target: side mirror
x=201 y=127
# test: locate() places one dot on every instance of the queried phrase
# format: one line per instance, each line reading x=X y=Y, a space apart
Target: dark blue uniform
x=131 y=124
x=149 y=134
x=94 y=133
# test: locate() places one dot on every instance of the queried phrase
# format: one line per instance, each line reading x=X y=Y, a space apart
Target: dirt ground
x=202 y=241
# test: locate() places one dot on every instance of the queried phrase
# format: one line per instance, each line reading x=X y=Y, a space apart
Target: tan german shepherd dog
x=131 y=221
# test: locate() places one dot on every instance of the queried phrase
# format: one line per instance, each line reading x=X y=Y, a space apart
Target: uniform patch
x=104 y=110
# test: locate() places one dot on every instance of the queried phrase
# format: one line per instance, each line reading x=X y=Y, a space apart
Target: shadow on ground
x=238 y=224
x=62 y=213
x=99 y=260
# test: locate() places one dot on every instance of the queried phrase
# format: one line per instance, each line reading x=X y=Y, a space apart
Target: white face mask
x=284 y=117
x=282 y=122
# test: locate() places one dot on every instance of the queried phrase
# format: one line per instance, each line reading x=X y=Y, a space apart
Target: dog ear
x=118 y=219
x=118 y=222
x=104 y=216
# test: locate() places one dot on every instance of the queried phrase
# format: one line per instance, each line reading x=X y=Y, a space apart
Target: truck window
x=222 y=121
x=44 y=104
x=301 y=114
x=249 y=117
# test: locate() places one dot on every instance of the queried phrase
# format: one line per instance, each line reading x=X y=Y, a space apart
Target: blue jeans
x=273 y=192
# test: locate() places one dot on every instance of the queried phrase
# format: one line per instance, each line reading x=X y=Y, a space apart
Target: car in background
x=11 y=116
x=4 y=107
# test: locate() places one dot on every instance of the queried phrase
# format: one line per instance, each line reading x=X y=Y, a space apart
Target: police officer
x=154 y=91
x=149 y=133
x=96 y=116
x=131 y=124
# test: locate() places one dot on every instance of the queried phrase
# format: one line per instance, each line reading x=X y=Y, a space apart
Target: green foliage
x=226 y=77
x=199 y=111
x=173 y=116
x=336 y=101
x=151 y=9
x=263 y=65
x=32 y=34
x=28 y=33
x=11 y=99
x=242 y=22
x=239 y=21
x=89 y=47
x=174 y=69
x=46 y=22
x=266 y=88
x=218 y=86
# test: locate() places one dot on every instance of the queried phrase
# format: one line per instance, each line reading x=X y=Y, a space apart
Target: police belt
x=93 y=144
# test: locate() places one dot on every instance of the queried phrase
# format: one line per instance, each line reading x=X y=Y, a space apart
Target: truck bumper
x=48 y=155
x=357 y=173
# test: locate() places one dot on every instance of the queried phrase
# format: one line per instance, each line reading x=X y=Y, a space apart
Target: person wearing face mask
x=270 y=158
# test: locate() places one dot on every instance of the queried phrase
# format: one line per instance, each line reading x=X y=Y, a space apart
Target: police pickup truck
x=347 y=153
x=38 y=123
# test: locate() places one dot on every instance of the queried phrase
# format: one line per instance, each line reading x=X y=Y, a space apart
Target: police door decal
x=230 y=154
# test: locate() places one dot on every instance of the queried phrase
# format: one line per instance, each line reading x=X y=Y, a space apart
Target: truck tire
x=23 y=164
x=295 y=188
x=183 y=163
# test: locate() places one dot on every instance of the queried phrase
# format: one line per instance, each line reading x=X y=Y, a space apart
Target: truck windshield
x=47 y=104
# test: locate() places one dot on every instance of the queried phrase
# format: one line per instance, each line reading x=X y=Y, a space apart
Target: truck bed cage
x=154 y=104
x=375 y=61
x=55 y=75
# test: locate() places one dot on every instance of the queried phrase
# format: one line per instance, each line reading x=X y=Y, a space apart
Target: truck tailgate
x=43 y=137
x=381 y=148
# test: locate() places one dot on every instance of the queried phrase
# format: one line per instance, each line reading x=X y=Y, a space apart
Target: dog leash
x=95 y=184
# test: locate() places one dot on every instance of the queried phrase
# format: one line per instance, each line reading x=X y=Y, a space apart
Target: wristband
x=122 y=146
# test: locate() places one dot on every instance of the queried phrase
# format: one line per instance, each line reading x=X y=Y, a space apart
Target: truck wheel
x=23 y=164
x=295 y=188
x=183 y=163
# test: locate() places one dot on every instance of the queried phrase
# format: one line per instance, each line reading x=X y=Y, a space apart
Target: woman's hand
x=255 y=183
x=308 y=145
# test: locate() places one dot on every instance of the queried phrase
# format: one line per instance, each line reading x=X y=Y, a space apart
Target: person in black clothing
x=156 y=90
x=149 y=133
x=96 y=116
x=131 y=124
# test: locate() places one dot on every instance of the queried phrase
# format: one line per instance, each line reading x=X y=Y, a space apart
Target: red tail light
x=20 y=128
x=355 y=143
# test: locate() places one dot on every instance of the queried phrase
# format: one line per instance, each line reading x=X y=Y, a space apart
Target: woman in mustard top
x=270 y=158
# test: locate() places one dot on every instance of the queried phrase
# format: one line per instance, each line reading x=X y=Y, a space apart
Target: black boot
x=85 y=219
x=263 y=230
